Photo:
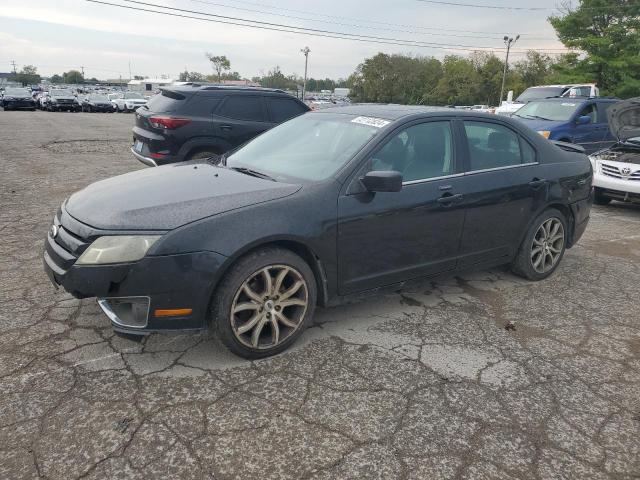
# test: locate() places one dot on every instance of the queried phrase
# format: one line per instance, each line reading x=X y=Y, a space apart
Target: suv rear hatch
x=162 y=105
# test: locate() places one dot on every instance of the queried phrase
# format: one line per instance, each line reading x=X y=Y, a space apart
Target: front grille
x=65 y=248
x=615 y=172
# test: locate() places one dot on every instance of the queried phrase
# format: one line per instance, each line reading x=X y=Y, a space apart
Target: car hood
x=539 y=125
x=164 y=198
x=624 y=119
x=64 y=97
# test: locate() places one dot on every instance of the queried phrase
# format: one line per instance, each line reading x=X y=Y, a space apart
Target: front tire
x=264 y=302
x=543 y=246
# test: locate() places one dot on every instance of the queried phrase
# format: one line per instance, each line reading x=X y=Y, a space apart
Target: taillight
x=168 y=123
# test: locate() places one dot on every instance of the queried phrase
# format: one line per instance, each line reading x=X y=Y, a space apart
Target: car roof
x=388 y=111
x=577 y=99
x=196 y=87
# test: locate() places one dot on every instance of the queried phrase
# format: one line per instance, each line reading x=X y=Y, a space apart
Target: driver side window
x=419 y=152
x=590 y=111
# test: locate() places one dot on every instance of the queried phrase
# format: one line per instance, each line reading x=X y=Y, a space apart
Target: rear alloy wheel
x=264 y=303
x=203 y=154
x=543 y=246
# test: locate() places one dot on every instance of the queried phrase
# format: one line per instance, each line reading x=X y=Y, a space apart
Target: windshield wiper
x=254 y=173
x=533 y=116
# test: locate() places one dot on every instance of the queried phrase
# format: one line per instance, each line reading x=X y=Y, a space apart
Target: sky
x=110 y=41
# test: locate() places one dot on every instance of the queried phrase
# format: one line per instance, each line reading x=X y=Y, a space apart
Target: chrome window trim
x=471 y=172
x=424 y=180
x=103 y=303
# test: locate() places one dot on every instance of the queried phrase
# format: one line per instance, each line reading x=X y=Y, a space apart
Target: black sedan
x=326 y=205
x=97 y=103
x=18 y=99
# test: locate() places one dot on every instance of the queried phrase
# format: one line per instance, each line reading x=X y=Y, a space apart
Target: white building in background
x=148 y=84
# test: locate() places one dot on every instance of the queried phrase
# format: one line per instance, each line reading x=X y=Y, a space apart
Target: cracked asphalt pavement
x=477 y=375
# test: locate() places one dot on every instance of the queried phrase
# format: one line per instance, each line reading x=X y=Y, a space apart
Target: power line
x=530 y=9
x=263 y=5
x=290 y=28
x=360 y=25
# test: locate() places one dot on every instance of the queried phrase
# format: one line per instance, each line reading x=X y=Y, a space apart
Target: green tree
x=72 y=77
x=608 y=31
x=27 y=76
x=192 y=77
x=220 y=64
x=276 y=79
x=56 y=78
x=460 y=82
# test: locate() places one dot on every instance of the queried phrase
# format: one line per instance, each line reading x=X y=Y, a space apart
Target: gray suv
x=195 y=121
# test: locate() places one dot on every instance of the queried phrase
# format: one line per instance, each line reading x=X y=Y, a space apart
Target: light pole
x=306 y=51
x=508 y=41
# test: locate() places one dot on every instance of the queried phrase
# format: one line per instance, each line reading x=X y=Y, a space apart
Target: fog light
x=130 y=312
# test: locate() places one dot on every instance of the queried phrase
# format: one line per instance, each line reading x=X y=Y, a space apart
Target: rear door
x=283 y=108
x=501 y=187
x=241 y=117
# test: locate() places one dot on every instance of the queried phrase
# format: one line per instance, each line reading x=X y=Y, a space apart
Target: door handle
x=448 y=200
x=226 y=127
x=536 y=183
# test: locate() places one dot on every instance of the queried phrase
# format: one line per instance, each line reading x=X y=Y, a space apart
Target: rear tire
x=201 y=154
x=600 y=199
x=264 y=302
x=543 y=246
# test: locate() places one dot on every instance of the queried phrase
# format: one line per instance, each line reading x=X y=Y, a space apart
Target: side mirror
x=584 y=120
x=382 y=181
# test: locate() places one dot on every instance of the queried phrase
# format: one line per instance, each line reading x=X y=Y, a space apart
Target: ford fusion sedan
x=321 y=207
x=18 y=99
x=617 y=169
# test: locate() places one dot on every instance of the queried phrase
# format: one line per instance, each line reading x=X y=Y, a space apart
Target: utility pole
x=508 y=41
x=130 y=78
x=306 y=51
x=82 y=68
x=13 y=62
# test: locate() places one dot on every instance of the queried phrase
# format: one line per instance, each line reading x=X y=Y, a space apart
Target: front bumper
x=619 y=185
x=19 y=104
x=59 y=107
x=183 y=281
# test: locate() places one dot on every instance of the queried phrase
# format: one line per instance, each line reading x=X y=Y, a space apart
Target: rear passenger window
x=492 y=146
x=243 y=107
x=166 y=101
x=282 y=109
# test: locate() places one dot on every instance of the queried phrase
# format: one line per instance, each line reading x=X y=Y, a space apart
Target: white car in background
x=129 y=101
x=616 y=170
x=508 y=107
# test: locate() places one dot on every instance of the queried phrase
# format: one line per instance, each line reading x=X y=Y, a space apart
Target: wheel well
x=299 y=249
x=568 y=214
x=202 y=148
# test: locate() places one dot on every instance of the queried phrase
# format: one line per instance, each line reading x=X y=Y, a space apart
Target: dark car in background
x=97 y=103
x=59 y=100
x=18 y=99
x=193 y=121
x=582 y=121
x=323 y=206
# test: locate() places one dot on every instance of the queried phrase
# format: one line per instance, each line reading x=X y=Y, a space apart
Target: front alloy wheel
x=264 y=302
x=269 y=307
x=547 y=246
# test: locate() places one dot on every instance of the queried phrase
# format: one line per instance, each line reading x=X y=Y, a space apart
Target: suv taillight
x=168 y=123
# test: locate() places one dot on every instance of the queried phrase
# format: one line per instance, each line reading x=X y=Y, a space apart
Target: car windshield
x=311 y=147
x=133 y=95
x=61 y=93
x=556 y=111
x=9 y=92
x=99 y=98
x=536 y=93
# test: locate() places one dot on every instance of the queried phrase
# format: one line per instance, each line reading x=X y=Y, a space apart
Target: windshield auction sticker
x=371 y=121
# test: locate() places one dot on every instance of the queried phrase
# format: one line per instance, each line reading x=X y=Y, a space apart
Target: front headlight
x=544 y=133
x=117 y=249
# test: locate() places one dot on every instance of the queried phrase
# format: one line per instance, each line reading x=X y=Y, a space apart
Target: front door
x=385 y=238
x=589 y=135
